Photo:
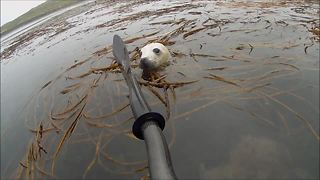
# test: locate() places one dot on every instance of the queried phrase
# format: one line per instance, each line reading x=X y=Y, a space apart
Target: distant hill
x=37 y=12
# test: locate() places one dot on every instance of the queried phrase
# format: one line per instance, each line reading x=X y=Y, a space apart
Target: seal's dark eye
x=156 y=50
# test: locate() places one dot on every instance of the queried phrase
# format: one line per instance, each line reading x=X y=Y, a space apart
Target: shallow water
x=253 y=111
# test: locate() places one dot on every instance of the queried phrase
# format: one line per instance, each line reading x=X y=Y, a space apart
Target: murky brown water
x=251 y=111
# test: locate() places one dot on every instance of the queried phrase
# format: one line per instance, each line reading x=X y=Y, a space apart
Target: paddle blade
x=120 y=52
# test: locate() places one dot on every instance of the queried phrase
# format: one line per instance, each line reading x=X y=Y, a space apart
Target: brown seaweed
x=65 y=136
x=107 y=115
x=47 y=84
x=192 y=32
x=217 y=68
x=219 y=78
x=305 y=121
x=166 y=84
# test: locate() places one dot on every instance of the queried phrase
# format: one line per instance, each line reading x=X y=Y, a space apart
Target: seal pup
x=154 y=56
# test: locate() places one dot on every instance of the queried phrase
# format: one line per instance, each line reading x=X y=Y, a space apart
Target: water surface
x=251 y=111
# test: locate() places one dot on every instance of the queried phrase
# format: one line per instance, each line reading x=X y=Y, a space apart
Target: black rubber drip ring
x=151 y=116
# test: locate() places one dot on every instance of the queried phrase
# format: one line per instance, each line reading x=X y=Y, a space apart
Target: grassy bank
x=35 y=13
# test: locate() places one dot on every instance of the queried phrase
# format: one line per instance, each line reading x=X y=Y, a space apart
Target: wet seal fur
x=154 y=56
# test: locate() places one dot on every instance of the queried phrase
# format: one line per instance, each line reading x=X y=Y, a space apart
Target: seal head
x=154 y=56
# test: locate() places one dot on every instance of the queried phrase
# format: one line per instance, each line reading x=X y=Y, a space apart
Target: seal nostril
x=143 y=60
x=143 y=63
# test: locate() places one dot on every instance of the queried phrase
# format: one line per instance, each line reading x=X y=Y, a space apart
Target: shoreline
x=35 y=14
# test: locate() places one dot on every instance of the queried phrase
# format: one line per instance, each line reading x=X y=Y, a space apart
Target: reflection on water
x=241 y=95
x=252 y=157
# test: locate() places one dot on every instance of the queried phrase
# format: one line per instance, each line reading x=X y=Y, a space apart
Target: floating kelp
x=218 y=78
x=193 y=32
x=26 y=39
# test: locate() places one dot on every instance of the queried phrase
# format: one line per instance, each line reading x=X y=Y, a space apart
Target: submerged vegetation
x=218 y=60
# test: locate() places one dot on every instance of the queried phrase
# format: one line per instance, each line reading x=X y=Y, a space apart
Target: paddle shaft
x=148 y=125
x=160 y=166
